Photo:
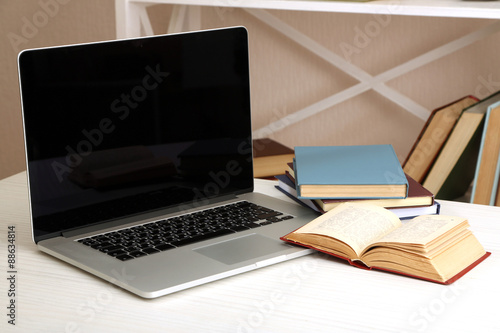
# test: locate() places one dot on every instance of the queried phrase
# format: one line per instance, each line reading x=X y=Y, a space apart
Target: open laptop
x=127 y=139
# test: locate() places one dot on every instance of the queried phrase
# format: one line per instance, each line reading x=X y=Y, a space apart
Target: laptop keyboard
x=162 y=235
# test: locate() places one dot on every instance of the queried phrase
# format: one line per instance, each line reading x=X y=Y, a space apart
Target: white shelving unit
x=437 y=8
x=132 y=21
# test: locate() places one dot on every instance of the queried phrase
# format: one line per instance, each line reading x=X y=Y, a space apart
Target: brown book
x=453 y=171
x=431 y=247
x=484 y=182
x=417 y=196
x=270 y=158
x=432 y=137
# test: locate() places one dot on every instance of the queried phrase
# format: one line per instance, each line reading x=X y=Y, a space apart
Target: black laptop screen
x=123 y=127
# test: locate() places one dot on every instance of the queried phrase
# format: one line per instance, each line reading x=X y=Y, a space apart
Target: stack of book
x=353 y=186
x=458 y=149
x=323 y=177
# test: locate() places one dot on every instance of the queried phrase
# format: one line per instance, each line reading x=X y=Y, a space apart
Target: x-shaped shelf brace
x=133 y=20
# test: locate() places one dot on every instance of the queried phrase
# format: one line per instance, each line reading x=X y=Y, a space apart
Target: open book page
x=356 y=224
x=422 y=229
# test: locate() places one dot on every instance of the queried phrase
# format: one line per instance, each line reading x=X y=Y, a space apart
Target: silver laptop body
x=128 y=134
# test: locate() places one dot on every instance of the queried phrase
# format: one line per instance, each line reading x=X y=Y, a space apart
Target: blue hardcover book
x=361 y=172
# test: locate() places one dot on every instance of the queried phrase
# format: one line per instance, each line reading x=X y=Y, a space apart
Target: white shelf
x=436 y=8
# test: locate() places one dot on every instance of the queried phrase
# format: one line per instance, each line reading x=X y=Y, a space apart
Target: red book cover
x=436 y=248
x=359 y=264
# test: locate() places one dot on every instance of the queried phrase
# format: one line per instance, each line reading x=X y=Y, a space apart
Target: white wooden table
x=315 y=293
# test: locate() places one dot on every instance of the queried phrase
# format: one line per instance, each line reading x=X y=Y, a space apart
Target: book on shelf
x=484 y=188
x=270 y=158
x=418 y=202
x=366 y=171
x=453 y=171
x=430 y=247
x=432 y=137
x=497 y=185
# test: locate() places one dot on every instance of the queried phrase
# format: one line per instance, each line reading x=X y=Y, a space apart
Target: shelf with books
x=457 y=151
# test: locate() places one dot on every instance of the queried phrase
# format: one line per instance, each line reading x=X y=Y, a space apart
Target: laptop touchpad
x=243 y=248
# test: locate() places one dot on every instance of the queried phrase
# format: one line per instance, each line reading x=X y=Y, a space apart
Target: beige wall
x=34 y=23
x=286 y=77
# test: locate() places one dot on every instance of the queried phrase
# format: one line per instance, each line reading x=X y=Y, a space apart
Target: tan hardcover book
x=453 y=172
x=484 y=181
x=432 y=137
x=417 y=196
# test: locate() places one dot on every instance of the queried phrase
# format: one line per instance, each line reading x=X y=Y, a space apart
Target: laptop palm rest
x=241 y=249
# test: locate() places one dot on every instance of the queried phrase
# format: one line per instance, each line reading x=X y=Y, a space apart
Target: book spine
x=496 y=180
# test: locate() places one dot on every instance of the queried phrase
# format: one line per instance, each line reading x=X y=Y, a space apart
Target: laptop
x=139 y=160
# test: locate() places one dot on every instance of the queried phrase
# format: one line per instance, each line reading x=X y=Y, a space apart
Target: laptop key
x=150 y=250
x=195 y=239
x=132 y=249
x=137 y=254
x=99 y=246
x=268 y=215
x=238 y=227
x=124 y=257
x=110 y=248
x=164 y=247
x=115 y=253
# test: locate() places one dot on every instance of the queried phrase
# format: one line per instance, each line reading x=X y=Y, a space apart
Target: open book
x=431 y=247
